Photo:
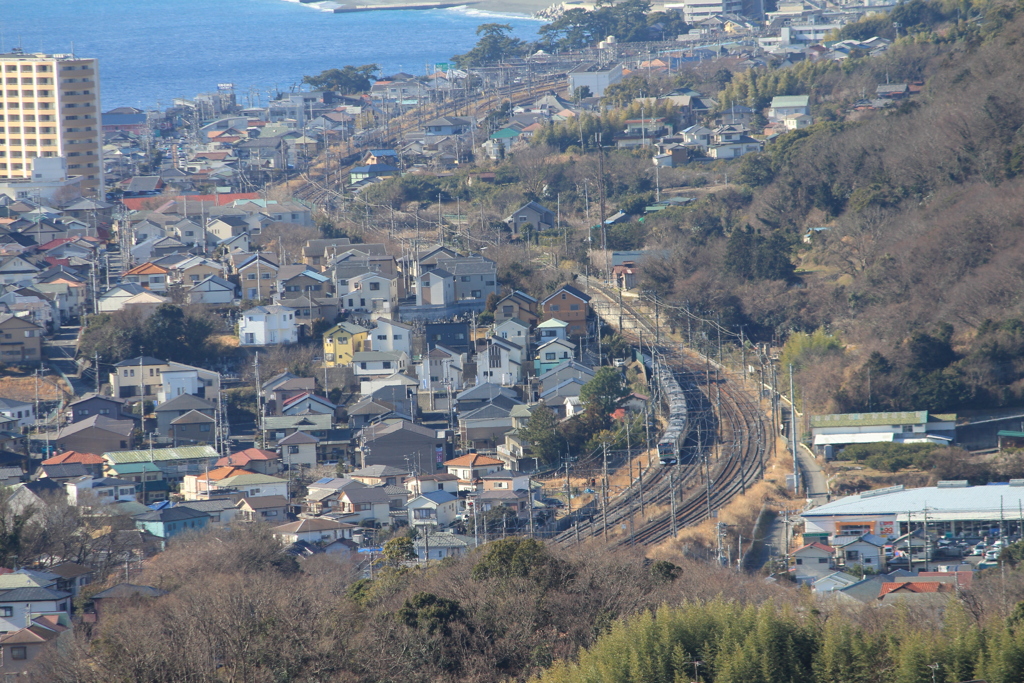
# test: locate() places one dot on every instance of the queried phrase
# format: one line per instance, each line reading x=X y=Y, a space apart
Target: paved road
x=813 y=478
x=59 y=352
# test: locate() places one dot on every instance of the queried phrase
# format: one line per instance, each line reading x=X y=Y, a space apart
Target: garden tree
x=13 y=522
x=602 y=392
x=347 y=80
x=524 y=558
x=579 y=429
x=171 y=333
x=398 y=550
x=541 y=432
x=629 y=21
x=496 y=44
x=581 y=93
x=431 y=613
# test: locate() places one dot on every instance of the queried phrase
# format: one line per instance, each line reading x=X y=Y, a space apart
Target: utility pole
x=672 y=489
x=96 y=369
x=792 y=429
x=529 y=503
x=259 y=402
x=604 y=492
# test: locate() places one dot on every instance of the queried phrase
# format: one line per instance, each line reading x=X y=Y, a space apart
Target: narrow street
x=59 y=352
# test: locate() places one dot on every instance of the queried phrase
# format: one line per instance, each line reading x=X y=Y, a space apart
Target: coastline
x=523 y=8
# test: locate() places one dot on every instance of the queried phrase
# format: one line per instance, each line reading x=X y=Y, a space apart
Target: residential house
x=788 y=105
x=432 y=510
x=22 y=412
x=362 y=503
x=864 y=550
x=552 y=354
x=89 y=490
x=170 y=522
x=115 y=297
x=470 y=467
x=341 y=342
x=106 y=600
x=212 y=290
x=426 y=483
x=813 y=561
x=95 y=404
x=500 y=362
x=380 y=475
x=222 y=511
x=73 y=577
x=21 y=340
x=435 y=288
x=18 y=606
x=455 y=336
x=178 y=407
x=514 y=330
x=140 y=376
x=20 y=649
x=253 y=459
x=314 y=531
x=516 y=305
x=194 y=427
x=96 y=434
x=552 y=329
x=476 y=278
x=278 y=390
x=402 y=445
x=268 y=326
x=298 y=450
x=278 y=427
x=439 y=546
x=90 y=462
x=441 y=373
x=257 y=276
x=175 y=463
x=149 y=276
x=485 y=426
x=391 y=336
x=371 y=292
x=306 y=403
x=294 y=281
x=531 y=218
x=570 y=305
x=376 y=363
x=270 y=509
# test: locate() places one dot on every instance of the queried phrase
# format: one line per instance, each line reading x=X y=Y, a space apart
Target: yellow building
x=49 y=107
x=341 y=341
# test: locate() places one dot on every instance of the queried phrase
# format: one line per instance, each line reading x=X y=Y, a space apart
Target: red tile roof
x=75 y=457
x=914 y=587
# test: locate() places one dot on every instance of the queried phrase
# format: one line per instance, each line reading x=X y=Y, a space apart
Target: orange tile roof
x=819 y=546
x=75 y=457
x=472 y=460
x=148 y=268
x=224 y=472
x=246 y=456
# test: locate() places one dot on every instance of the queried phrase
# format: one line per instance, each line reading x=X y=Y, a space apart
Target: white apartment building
x=49 y=107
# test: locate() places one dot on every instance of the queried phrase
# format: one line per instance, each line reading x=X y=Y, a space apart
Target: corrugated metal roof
x=870 y=419
x=162 y=454
x=973 y=502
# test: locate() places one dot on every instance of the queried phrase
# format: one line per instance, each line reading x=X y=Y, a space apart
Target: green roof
x=1011 y=434
x=161 y=454
x=505 y=133
x=134 y=467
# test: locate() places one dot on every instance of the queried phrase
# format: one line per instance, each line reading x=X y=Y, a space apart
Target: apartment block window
x=19 y=652
x=6 y=611
x=293 y=450
x=374 y=286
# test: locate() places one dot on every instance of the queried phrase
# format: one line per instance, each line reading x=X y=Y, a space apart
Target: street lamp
x=695 y=665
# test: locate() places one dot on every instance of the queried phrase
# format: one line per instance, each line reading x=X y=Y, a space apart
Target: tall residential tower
x=50 y=107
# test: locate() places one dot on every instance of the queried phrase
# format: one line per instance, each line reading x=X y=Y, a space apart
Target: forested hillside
x=917 y=272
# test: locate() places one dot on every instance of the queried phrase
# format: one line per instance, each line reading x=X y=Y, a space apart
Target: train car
x=671 y=443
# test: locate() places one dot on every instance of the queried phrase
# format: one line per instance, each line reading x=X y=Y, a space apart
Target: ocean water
x=151 y=52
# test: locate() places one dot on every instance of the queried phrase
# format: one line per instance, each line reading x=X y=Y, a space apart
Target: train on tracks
x=670 y=447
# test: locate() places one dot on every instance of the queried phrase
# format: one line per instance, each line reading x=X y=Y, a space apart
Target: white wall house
x=21 y=411
x=367 y=363
x=371 y=292
x=500 y=363
x=268 y=326
x=390 y=335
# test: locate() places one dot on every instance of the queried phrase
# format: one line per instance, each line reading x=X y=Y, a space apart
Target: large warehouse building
x=952 y=508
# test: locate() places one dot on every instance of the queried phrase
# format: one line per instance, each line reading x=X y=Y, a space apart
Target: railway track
x=724 y=454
